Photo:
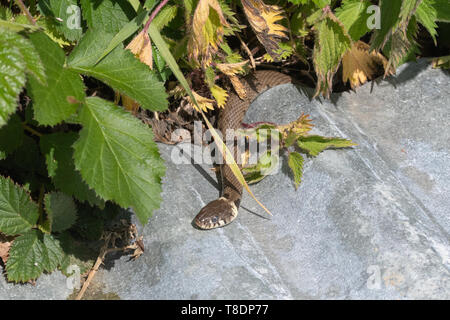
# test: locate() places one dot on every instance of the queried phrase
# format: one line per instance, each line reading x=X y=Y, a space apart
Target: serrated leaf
x=331 y=43
x=264 y=20
x=53 y=253
x=120 y=69
x=61 y=211
x=295 y=162
x=51 y=102
x=401 y=46
x=117 y=156
x=65 y=177
x=389 y=17
x=219 y=94
x=25 y=257
x=359 y=65
x=18 y=213
x=12 y=77
x=314 y=144
x=427 y=16
x=163 y=17
x=31 y=254
x=207 y=31
x=107 y=15
x=11 y=136
x=64 y=16
x=353 y=15
x=28 y=53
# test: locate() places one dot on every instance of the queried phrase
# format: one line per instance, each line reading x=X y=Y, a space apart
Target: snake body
x=224 y=210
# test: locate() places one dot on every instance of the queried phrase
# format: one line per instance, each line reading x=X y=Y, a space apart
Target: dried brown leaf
x=359 y=65
x=142 y=48
x=263 y=20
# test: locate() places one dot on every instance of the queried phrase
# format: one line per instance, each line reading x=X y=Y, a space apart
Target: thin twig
x=27 y=13
x=249 y=53
x=94 y=269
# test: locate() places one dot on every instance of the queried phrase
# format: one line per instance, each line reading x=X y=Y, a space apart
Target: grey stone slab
x=369 y=222
x=357 y=228
x=53 y=286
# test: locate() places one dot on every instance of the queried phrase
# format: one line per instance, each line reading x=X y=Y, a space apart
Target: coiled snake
x=224 y=210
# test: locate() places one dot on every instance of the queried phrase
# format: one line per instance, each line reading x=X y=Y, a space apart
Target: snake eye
x=214 y=219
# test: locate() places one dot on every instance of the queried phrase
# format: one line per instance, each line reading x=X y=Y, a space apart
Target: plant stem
x=153 y=15
x=31 y=130
x=25 y=10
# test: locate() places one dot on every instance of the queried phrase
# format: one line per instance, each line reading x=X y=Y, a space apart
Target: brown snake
x=224 y=210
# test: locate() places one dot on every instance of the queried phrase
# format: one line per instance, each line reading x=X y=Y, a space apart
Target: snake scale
x=224 y=210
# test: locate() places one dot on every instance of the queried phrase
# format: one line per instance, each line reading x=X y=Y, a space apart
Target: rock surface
x=369 y=222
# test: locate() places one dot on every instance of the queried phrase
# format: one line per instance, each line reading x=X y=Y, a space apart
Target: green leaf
x=53 y=253
x=295 y=162
x=321 y=3
x=28 y=53
x=31 y=254
x=120 y=69
x=442 y=9
x=389 y=16
x=353 y=15
x=65 y=177
x=265 y=166
x=107 y=15
x=12 y=77
x=11 y=136
x=127 y=30
x=163 y=17
x=17 y=27
x=330 y=45
x=313 y=145
x=18 y=213
x=64 y=16
x=117 y=156
x=60 y=210
x=426 y=15
x=51 y=102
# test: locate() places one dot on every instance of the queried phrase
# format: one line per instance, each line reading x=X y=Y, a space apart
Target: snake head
x=215 y=214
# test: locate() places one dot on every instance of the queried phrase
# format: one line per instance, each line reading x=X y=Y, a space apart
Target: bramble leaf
x=107 y=15
x=64 y=16
x=52 y=102
x=117 y=156
x=12 y=76
x=353 y=15
x=120 y=69
x=18 y=213
x=31 y=254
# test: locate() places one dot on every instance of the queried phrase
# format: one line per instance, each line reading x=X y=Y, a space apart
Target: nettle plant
x=74 y=72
